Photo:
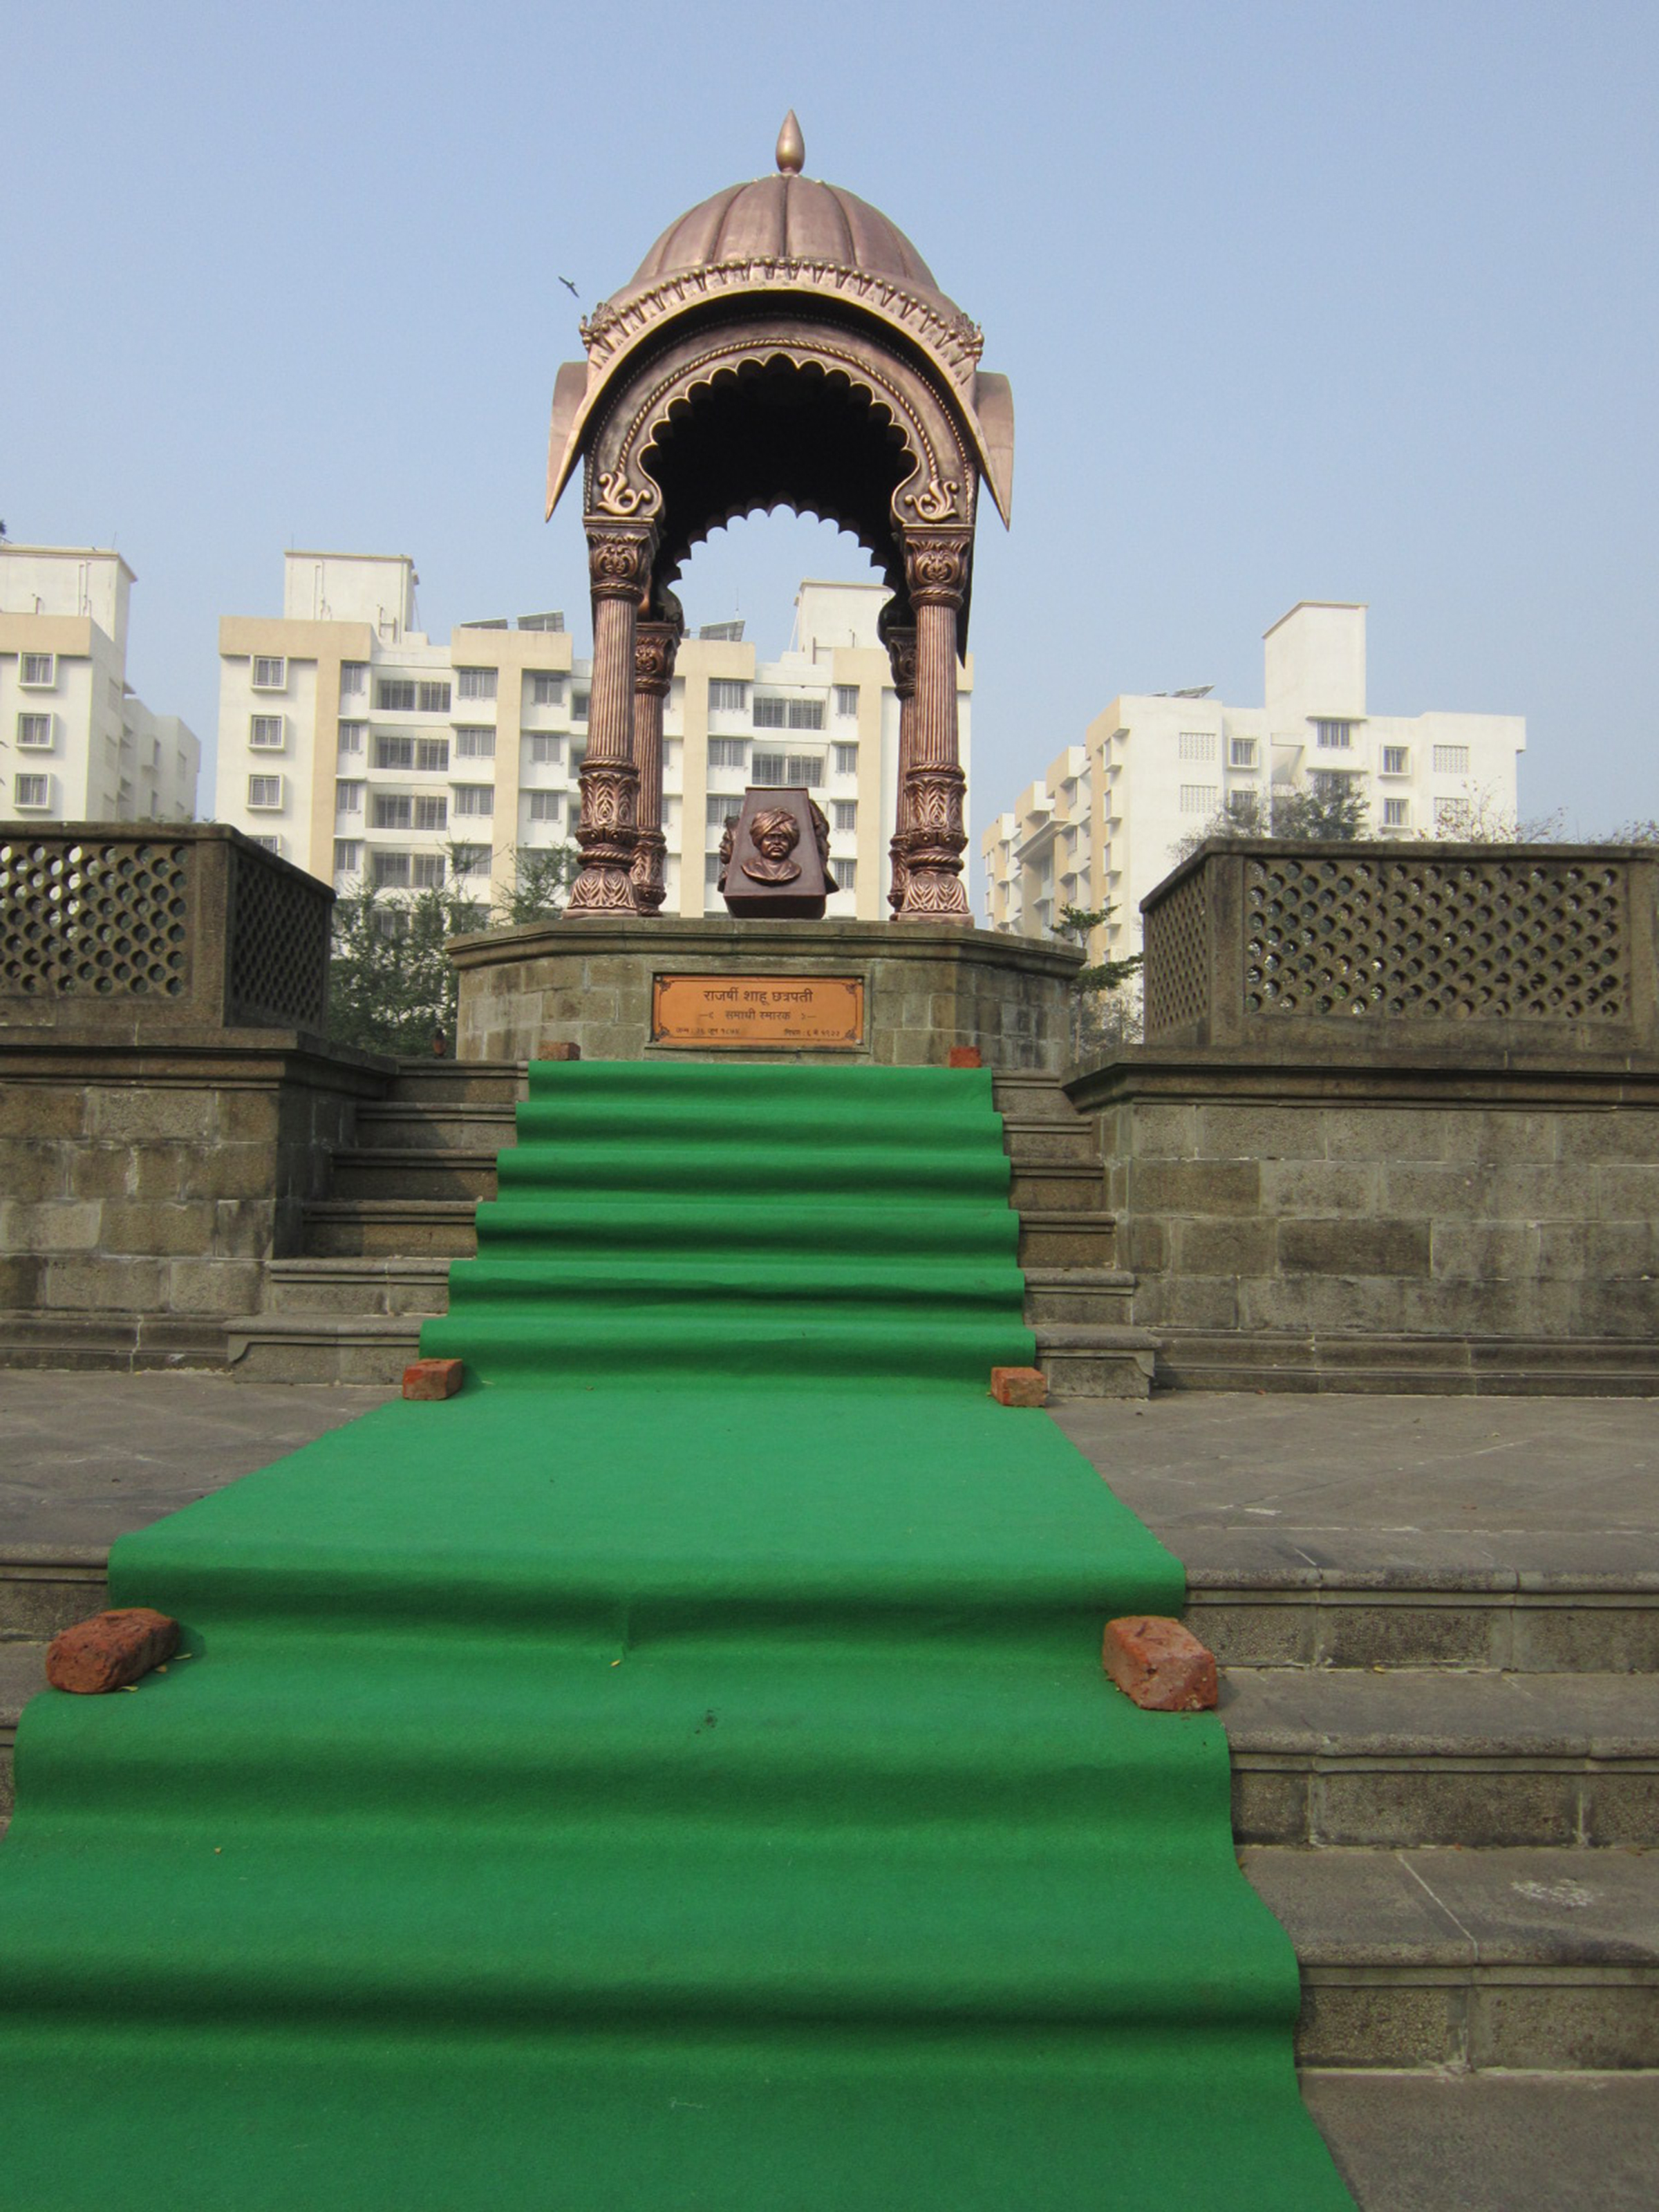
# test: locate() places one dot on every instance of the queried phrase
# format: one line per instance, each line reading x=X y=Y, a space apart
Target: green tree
x=392 y=983
x=1106 y=1009
x=1330 y=808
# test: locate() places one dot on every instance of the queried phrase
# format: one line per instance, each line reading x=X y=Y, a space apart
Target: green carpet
x=676 y=1773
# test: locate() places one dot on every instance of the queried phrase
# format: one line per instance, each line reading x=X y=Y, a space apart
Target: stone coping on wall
x=1311 y=1072
x=587 y=980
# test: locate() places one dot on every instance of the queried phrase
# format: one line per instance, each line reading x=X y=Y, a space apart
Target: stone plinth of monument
x=648 y=988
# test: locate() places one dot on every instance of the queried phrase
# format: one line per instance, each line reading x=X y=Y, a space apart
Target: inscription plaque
x=824 y=1011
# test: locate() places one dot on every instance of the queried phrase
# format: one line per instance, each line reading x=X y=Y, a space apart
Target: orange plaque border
x=735 y=1013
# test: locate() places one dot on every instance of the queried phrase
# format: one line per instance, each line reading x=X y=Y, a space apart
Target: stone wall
x=1470 y=1200
x=143 y=1188
x=586 y=980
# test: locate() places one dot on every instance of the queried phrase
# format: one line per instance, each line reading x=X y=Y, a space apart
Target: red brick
x=1160 y=1664
x=550 y=1051
x=1019 y=1386
x=110 y=1650
x=434 y=1378
x=965 y=1055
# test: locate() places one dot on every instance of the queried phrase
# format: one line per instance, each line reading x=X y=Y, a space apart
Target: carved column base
x=934 y=889
x=607 y=837
x=649 y=873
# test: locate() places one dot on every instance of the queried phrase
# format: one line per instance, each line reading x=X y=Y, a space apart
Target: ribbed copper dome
x=786 y=218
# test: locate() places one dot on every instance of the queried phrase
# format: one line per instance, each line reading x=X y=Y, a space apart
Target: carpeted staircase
x=677 y=1771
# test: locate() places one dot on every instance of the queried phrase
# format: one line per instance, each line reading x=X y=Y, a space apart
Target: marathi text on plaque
x=825 y=1012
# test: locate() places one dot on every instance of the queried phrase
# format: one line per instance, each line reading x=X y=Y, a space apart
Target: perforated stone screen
x=1176 y=943
x=104 y=919
x=279 y=929
x=1525 y=939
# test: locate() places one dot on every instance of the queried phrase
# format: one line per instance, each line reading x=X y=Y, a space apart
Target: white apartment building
x=1103 y=825
x=354 y=746
x=77 y=743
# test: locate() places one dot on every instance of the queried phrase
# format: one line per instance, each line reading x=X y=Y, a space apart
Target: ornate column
x=898 y=633
x=930 y=803
x=655 y=644
x=619 y=571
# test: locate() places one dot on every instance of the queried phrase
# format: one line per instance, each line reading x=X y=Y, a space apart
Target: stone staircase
x=1446 y=1789
x=402 y=1197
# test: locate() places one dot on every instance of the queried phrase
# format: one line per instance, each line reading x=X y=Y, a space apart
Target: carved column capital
x=655 y=646
x=936 y=565
x=619 y=557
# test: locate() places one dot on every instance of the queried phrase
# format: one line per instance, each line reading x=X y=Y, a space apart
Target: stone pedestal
x=590 y=981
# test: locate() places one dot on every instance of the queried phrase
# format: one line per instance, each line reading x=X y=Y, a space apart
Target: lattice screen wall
x=279 y=929
x=1177 y=966
x=104 y=919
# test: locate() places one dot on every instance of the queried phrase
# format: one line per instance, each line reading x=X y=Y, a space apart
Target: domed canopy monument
x=781 y=345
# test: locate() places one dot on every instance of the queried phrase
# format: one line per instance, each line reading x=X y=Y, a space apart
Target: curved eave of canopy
x=582 y=387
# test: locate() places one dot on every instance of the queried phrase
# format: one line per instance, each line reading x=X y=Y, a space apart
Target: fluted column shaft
x=655 y=644
x=900 y=639
x=619 y=567
x=936 y=571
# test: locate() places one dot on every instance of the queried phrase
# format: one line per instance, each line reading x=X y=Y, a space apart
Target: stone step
x=1096 y=1359
x=1051 y=1186
x=322 y=1348
x=45 y=1588
x=1034 y=1098
x=1057 y=1296
x=1405 y=1756
x=1066 y=1236
x=427 y=1125
x=1490 y=1619
x=22 y=1672
x=1542 y=1960
x=414 y=1171
x=409 y=1228
x=1237 y=1359
x=363 y=1284
x=439 y=1082
x=1031 y=1141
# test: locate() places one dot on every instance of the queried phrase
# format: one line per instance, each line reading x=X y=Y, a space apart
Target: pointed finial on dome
x=791 y=147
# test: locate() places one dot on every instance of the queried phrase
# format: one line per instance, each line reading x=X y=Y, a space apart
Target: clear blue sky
x=1326 y=301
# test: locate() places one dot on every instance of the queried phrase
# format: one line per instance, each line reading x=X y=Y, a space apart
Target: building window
x=394 y=810
x=717 y=811
x=727 y=752
x=475 y=745
x=804 y=768
x=806 y=713
x=426 y=872
x=846 y=873
x=846 y=701
x=544 y=805
x=847 y=815
x=475 y=682
x=1198 y=798
x=348 y=857
x=1332 y=783
x=726 y=695
x=1334 y=737
x=394 y=752
x=1241 y=752
x=392 y=921
x=1396 y=761
x=34 y=732
x=471 y=859
x=475 y=799
x=264 y=733
x=1453 y=817
x=38 y=673
x=270 y=672
x=349 y=740
x=349 y=798
x=711 y=870
x=579 y=706
x=268 y=844
x=1197 y=744
x=390 y=871
x=32 y=791
x=1451 y=760
x=769 y=768
x=435 y=698
x=771 y=713
x=1397 y=813
x=546 y=752
x=264 y=792
x=354 y=680
x=432 y=814
x=847 y=760
x=546 y=690
x=395 y=696
x=432 y=756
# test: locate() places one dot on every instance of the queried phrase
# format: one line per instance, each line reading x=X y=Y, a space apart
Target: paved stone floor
x=1244 y=1484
